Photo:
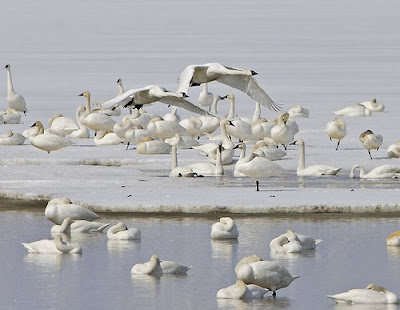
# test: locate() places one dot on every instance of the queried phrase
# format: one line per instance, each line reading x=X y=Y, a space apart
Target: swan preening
x=393 y=239
x=120 y=232
x=372 y=294
x=56 y=246
x=12 y=138
x=290 y=242
x=371 y=141
x=241 y=290
x=314 y=170
x=15 y=101
x=78 y=226
x=224 y=229
x=393 y=151
x=380 y=172
x=157 y=267
x=336 y=129
x=194 y=75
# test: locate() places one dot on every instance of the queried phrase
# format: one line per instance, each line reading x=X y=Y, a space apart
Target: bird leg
x=257 y=186
x=337 y=146
x=369 y=154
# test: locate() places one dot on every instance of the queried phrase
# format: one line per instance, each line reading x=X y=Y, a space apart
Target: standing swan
x=314 y=170
x=372 y=294
x=194 y=75
x=48 y=141
x=380 y=172
x=15 y=101
x=120 y=232
x=371 y=141
x=224 y=229
x=336 y=129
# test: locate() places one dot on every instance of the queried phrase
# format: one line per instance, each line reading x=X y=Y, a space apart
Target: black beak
x=230 y=123
x=253 y=72
x=184 y=95
x=224 y=97
x=293 y=143
x=81 y=94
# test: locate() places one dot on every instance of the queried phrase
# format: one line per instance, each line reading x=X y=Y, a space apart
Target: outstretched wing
x=249 y=85
x=123 y=99
x=182 y=103
x=185 y=78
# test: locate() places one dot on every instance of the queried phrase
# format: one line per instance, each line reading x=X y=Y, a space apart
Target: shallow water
x=353 y=253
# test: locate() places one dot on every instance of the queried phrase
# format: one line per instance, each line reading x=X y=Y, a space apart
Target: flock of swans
x=256 y=277
x=154 y=134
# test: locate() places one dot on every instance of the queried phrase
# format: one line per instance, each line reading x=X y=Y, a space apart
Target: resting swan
x=48 y=141
x=336 y=129
x=179 y=171
x=290 y=242
x=15 y=101
x=371 y=141
x=120 y=232
x=224 y=229
x=11 y=138
x=209 y=169
x=354 y=111
x=314 y=170
x=241 y=290
x=393 y=239
x=56 y=246
x=79 y=226
x=373 y=105
x=155 y=267
x=298 y=112
x=267 y=274
x=372 y=294
x=393 y=151
x=380 y=172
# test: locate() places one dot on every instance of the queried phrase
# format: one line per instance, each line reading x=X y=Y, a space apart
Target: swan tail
x=317 y=241
x=29 y=248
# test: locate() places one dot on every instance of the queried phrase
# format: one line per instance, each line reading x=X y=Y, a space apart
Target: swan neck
x=229 y=224
x=120 y=89
x=88 y=108
x=174 y=157
x=231 y=113
x=213 y=108
x=218 y=165
x=65 y=227
x=302 y=158
x=257 y=113
x=10 y=87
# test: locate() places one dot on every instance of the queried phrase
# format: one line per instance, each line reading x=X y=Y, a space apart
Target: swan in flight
x=153 y=93
x=15 y=101
x=224 y=229
x=314 y=170
x=241 y=290
x=336 y=129
x=56 y=246
x=380 y=172
x=372 y=294
x=373 y=105
x=371 y=141
x=195 y=75
x=393 y=239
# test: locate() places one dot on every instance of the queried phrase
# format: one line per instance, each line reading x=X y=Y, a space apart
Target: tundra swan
x=172 y=267
x=184 y=142
x=282 y=133
x=15 y=101
x=78 y=226
x=62 y=124
x=247 y=260
x=94 y=121
x=224 y=229
x=194 y=75
x=64 y=228
x=354 y=111
x=150 y=146
x=179 y=171
x=373 y=105
x=120 y=128
x=241 y=290
x=298 y=112
x=153 y=93
x=192 y=126
x=314 y=170
x=11 y=138
x=205 y=97
x=267 y=274
x=209 y=169
x=261 y=128
x=393 y=151
x=58 y=209
x=152 y=267
x=105 y=137
x=372 y=294
x=56 y=246
x=380 y=172
x=83 y=131
x=291 y=242
x=162 y=129
x=336 y=129
x=139 y=117
x=371 y=141
x=255 y=166
x=239 y=128
x=210 y=123
x=393 y=239
x=120 y=232
x=11 y=116
x=48 y=141
x=269 y=149
x=172 y=116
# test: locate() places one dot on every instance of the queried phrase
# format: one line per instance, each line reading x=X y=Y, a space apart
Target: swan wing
x=124 y=98
x=186 y=76
x=182 y=103
x=249 y=85
x=360 y=296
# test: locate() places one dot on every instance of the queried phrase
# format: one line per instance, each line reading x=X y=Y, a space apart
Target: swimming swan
x=15 y=101
x=241 y=290
x=151 y=94
x=58 y=209
x=172 y=267
x=354 y=111
x=48 y=141
x=56 y=246
x=314 y=170
x=373 y=105
x=393 y=239
x=371 y=141
x=291 y=242
x=336 y=129
x=224 y=229
x=179 y=171
x=267 y=274
x=152 y=267
x=120 y=232
x=380 y=172
x=209 y=169
x=194 y=75
x=372 y=294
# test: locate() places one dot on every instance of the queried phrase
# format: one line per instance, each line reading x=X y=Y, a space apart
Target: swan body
x=15 y=101
x=291 y=242
x=11 y=138
x=282 y=133
x=180 y=142
x=48 y=141
x=371 y=141
x=267 y=274
x=247 y=260
x=372 y=294
x=336 y=129
x=393 y=151
x=393 y=239
x=373 y=105
x=56 y=246
x=210 y=123
x=268 y=148
x=104 y=137
x=58 y=209
x=179 y=171
x=209 y=169
x=139 y=117
x=152 y=267
x=205 y=97
x=150 y=146
x=171 y=267
x=78 y=226
x=224 y=229
x=356 y=110
x=298 y=112
x=243 y=80
x=11 y=116
x=162 y=129
x=380 y=172
x=241 y=290
x=63 y=124
x=261 y=128
x=120 y=232
x=314 y=170
x=151 y=94
x=192 y=126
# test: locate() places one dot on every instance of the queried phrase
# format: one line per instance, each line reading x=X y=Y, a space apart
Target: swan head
x=154 y=258
x=297 y=142
x=375 y=287
x=364 y=134
x=7 y=67
x=373 y=100
x=85 y=94
x=291 y=235
x=119 y=227
x=119 y=81
x=240 y=146
x=59 y=200
x=352 y=174
x=253 y=72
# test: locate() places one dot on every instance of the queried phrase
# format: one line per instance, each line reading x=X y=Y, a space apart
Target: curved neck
x=205 y=88
x=65 y=227
x=228 y=223
x=241 y=288
x=257 y=113
x=213 y=108
x=10 y=87
x=231 y=113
